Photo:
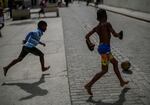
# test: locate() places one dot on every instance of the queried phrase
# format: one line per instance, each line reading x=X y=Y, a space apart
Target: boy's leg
x=1 y=26
x=37 y=52
x=43 y=12
x=0 y=34
x=95 y=78
x=117 y=72
x=6 y=68
x=42 y=63
x=39 y=13
x=104 y=62
x=20 y=58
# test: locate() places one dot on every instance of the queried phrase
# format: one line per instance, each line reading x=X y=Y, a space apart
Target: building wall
x=138 y=5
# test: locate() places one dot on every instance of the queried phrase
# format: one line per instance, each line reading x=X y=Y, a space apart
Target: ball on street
x=125 y=65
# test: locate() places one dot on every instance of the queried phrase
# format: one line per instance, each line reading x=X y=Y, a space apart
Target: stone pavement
x=25 y=84
x=83 y=64
x=139 y=77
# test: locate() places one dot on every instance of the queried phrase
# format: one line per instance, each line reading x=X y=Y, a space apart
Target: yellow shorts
x=105 y=58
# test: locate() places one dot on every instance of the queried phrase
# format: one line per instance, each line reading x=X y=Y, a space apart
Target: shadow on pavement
x=118 y=102
x=32 y=88
x=127 y=71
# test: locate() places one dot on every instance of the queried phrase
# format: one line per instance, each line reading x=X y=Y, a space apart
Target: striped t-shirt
x=33 y=38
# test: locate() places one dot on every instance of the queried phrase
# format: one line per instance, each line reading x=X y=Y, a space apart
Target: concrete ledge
x=20 y=14
x=50 y=8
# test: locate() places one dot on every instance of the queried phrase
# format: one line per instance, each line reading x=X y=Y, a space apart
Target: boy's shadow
x=118 y=102
x=32 y=88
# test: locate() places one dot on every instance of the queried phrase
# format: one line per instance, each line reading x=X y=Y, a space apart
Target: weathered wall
x=139 y=5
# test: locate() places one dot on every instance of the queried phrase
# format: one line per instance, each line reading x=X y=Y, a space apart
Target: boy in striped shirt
x=29 y=46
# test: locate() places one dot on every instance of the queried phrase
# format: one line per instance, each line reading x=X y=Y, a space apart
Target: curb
x=127 y=12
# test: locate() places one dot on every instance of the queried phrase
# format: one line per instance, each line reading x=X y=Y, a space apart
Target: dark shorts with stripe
x=26 y=50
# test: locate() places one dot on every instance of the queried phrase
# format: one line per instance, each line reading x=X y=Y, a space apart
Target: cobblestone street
x=83 y=64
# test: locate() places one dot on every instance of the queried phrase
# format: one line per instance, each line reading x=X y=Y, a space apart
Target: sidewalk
x=131 y=13
x=25 y=84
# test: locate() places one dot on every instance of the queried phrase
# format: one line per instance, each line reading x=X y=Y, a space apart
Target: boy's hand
x=121 y=35
x=24 y=41
x=44 y=44
x=90 y=45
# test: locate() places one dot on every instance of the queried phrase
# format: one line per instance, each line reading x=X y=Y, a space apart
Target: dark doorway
x=33 y=2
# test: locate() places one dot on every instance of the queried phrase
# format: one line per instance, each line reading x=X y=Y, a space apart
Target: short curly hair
x=101 y=13
x=41 y=23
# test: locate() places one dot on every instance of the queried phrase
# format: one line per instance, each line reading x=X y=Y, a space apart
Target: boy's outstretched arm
x=119 y=35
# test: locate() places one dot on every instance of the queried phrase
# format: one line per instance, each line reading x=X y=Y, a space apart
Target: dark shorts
x=33 y=50
x=104 y=48
x=105 y=52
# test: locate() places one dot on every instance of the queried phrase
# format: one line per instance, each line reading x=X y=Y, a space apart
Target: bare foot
x=88 y=89
x=124 y=83
x=5 y=69
x=45 y=68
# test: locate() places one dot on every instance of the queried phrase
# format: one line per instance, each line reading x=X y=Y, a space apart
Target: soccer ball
x=125 y=65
